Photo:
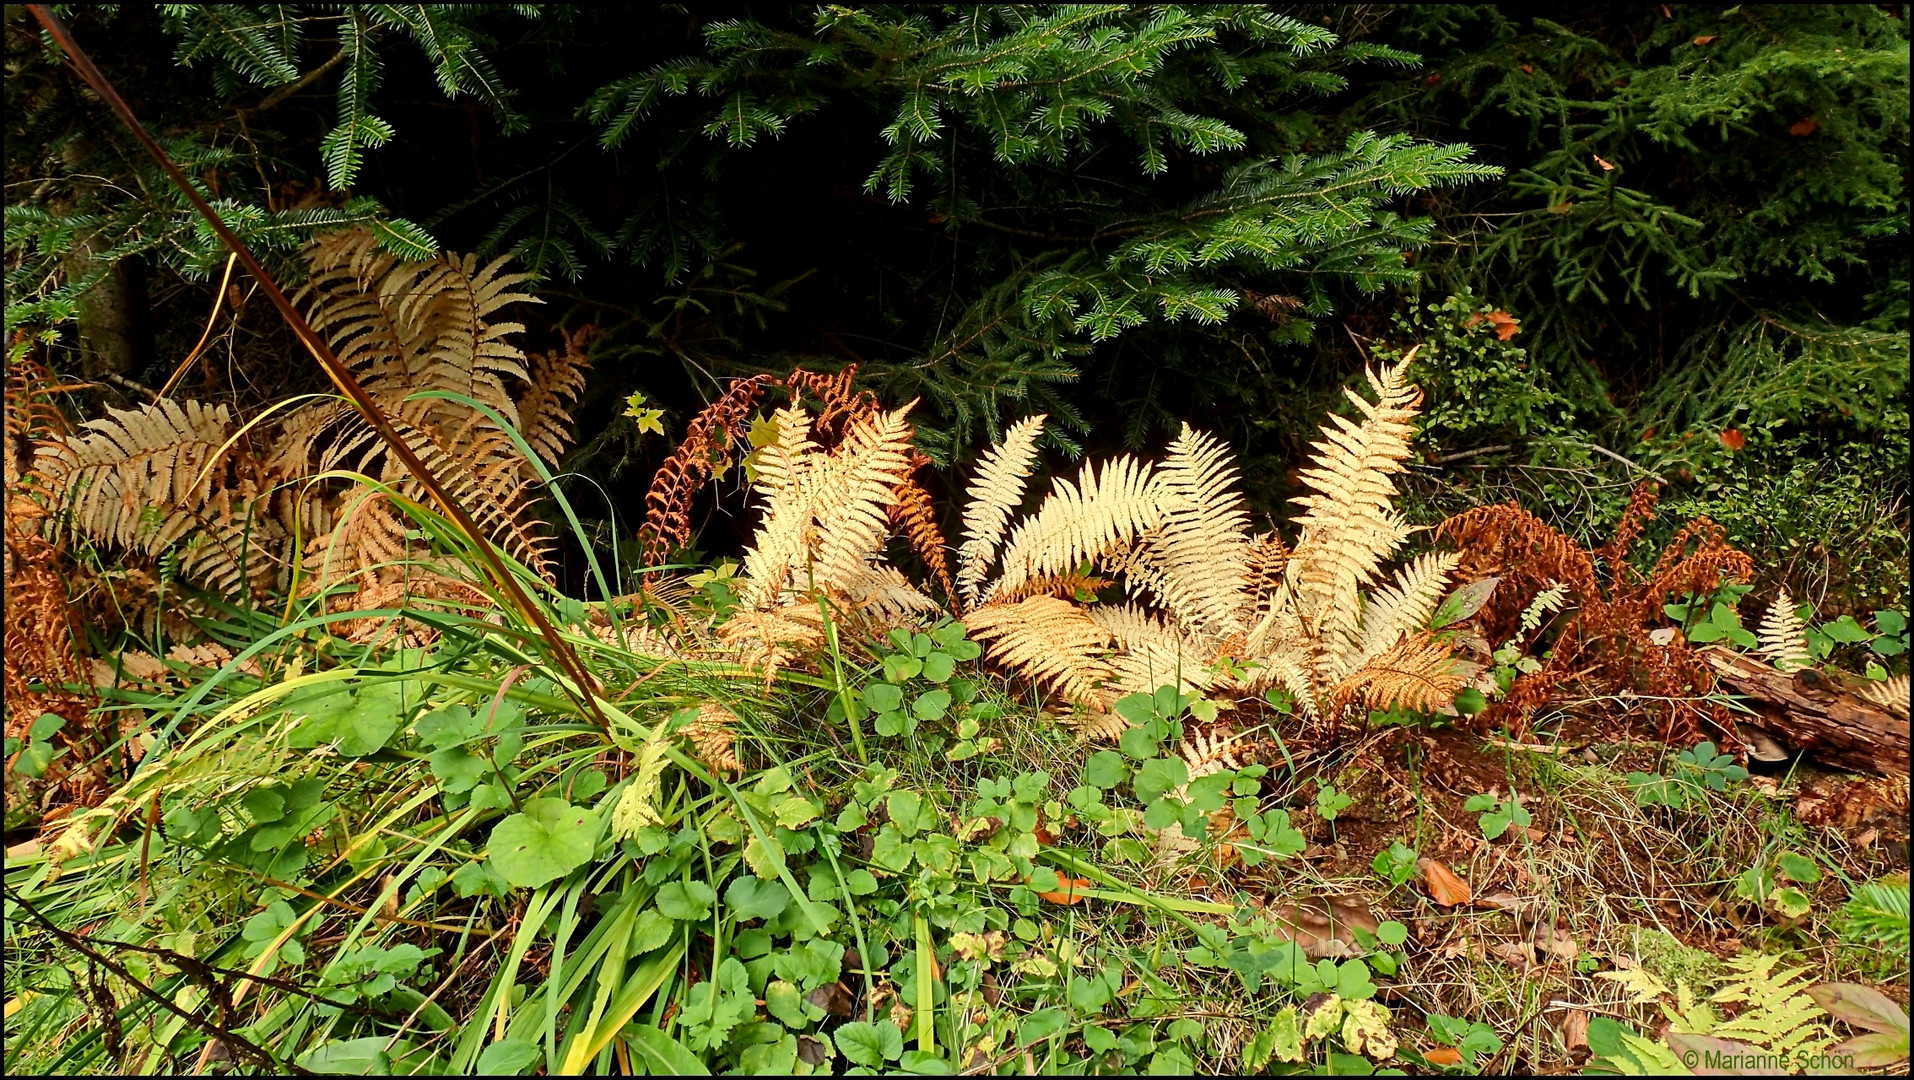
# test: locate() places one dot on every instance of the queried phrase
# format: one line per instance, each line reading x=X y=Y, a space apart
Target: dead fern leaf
x=1419 y=673
x=994 y=492
x=1783 y=636
x=1050 y=641
x=1102 y=511
x=712 y=739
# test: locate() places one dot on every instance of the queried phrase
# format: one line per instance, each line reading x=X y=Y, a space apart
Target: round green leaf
x=883 y=697
x=550 y=839
x=931 y=705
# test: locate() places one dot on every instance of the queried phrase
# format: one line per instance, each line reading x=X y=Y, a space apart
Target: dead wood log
x=1817 y=712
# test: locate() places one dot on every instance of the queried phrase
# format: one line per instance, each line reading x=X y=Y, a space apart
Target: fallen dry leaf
x=1734 y=440
x=1575 y=1029
x=1804 y=127
x=1067 y=890
x=1321 y=926
x=1505 y=325
x=1606 y=167
x=1444 y=887
x=1443 y=1055
x=1706 y=39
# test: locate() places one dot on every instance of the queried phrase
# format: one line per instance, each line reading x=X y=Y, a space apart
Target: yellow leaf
x=1642 y=987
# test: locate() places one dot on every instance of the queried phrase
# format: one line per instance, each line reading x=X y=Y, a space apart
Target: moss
x=1670 y=961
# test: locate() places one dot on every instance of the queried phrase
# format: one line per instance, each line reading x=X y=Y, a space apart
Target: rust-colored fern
x=1611 y=624
x=712 y=436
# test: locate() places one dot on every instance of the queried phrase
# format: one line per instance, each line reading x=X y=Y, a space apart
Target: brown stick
x=1817 y=712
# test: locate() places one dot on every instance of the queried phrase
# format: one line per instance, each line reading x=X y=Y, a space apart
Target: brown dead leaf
x=1706 y=39
x=1444 y=887
x=1805 y=127
x=1606 y=167
x=1321 y=926
x=1515 y=954
x=1502 y=901
x=1505 y=325
x=1574 y=1029
x=1443 y=1055
x=833 y=998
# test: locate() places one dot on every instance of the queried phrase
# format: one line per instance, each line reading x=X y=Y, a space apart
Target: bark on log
x=1817 y=712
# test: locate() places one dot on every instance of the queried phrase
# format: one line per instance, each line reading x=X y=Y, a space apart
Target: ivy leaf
x=548 y=840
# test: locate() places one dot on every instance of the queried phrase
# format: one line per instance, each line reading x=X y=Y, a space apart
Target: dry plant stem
x=843 y=688
x=341 y=376
x=213 y=1032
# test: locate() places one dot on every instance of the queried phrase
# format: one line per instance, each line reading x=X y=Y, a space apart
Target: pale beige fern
x=1403 y=606
x=1783 y=636
x=1890 y=695
x=1349 y=524
x=826 y=515
x=1102 y=511
x=770 y=639
x=1051 y=641
x=1150 y=653
x=712 y=739
x=994 y=492
x=1200 y=552
x=1546 y=603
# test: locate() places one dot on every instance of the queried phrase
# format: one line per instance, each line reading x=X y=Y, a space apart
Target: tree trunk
x=1817 y=712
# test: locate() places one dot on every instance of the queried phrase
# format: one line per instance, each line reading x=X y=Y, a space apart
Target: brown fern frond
x=1206 y=753
x=1418 y=673
x=1048 y=641
x=914 y=515
x=712 y=739
x=145 y=479
x=1071 y=585
x=710 y=438
x=840 y=403
x=1635 y=517
x=556 y=379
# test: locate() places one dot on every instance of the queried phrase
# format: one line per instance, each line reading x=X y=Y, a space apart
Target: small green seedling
x=1696 y=771
x=1330 y=802
x=1497 y=813
x=1397 y=864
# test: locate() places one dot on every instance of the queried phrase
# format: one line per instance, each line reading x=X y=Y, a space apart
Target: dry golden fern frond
x=779 y=465
x=1097 y=726
x=1104 y=511
x=770 y=639
x=712 y=739
x=1208 y=753
x=555 y=380
x=480 y=467
x=1349 y=523
x=883 y=595
x=1419 y=673
x=854 y=494
x=1150 y=653
x=1784 y=637
x=994 y=492
x=1050 y=642
x=1403 y=606
x=1890 y=695
x=148 y=478
x=1201 y=550
x=407 y=327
